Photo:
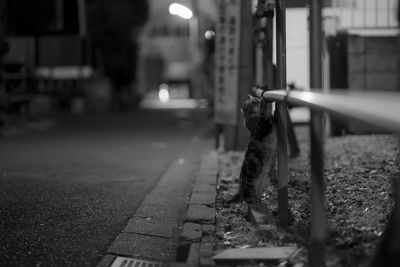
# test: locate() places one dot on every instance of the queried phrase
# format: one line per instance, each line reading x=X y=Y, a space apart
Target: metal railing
x=378 y=109
x=374 y=108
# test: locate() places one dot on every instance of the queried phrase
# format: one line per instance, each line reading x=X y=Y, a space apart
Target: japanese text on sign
x=227 y=62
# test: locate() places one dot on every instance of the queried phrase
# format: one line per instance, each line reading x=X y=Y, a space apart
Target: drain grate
x=128 y=262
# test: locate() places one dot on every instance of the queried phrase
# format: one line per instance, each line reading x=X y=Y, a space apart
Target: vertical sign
x=227 y=62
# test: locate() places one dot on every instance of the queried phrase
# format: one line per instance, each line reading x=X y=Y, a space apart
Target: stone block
x=206 y=252
x=151 y=226
x=210 y=162
x=210 y=239
x=164 y=212
x=192 y=232
x=143 y=246
x=202 y=186
x=209 y=228
x=203 y=198
x=193 y=258
x=264 y=253
x=201 y=214
x=207 y=177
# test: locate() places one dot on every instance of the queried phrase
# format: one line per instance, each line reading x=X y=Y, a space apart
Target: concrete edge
x=171 y=175
x=198 y=239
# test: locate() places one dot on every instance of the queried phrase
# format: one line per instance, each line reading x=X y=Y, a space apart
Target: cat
x=259 y=161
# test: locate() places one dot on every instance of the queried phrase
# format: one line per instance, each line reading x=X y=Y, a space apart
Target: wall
x=373 y=62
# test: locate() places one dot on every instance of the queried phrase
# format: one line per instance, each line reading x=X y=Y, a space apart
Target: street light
x=180 y=10
x=187 y=14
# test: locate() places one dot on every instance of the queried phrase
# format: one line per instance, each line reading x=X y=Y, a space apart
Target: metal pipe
x=82 y=18
x=318 y=227
x=283 y=202
x=281 y=44
x=352 y=13
x=365 y=14
x=376 y=13
x=269 y=48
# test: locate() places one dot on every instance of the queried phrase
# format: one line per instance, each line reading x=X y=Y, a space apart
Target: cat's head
x=251 y=107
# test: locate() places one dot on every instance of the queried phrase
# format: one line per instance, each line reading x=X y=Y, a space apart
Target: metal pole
x=268 y=46
x=376 y=13
x=352 y=12
x=365 y=14
x=260 y=43
x=82 y=18
x=318 y=224
x=283 y=203
x=246 y=77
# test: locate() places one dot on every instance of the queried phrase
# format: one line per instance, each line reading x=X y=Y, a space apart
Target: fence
x=377 y=109
x=373 y=108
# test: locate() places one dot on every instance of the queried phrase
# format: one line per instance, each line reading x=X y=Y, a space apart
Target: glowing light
x=180 y=10
x=163 y=93
x=209 y=35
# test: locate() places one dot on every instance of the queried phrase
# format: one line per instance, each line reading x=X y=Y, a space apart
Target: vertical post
x=260 y=43
x=268 y=46
x=82 y=18
x=353 y=3
x=283 y=202
x=376 y=13
x=318 y=227
x=246 y=78
x=365 y=14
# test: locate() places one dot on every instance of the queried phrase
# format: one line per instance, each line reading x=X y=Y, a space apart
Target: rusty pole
x=283 y=202
x=318 y=224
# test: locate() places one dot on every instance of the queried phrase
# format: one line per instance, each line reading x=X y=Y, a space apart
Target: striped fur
x=259 y=160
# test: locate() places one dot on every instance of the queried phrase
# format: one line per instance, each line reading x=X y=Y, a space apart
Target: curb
x=197 y=240
x=152 y=233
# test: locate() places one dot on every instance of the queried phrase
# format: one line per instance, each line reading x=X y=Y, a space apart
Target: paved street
x=68 y=191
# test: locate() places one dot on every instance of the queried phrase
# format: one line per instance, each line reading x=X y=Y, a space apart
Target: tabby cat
x=259 y=161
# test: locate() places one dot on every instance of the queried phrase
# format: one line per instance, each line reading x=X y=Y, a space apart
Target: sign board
x=227 y=62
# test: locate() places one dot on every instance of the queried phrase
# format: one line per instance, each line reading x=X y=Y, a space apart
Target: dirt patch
x=358 y=200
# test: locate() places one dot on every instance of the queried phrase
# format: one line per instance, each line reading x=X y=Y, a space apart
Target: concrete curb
x=197 y=240
x=153 y=232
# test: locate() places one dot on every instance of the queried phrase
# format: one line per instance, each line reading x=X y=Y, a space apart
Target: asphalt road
x=66 y=192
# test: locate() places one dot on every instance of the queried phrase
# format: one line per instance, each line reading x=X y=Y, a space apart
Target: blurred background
x=104 y=55
x=96 y=55
x=118 y=89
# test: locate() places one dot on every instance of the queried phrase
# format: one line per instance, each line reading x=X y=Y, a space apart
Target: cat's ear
x=250 y=97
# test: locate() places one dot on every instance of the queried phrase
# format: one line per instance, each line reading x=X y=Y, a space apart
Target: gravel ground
x=358 y=200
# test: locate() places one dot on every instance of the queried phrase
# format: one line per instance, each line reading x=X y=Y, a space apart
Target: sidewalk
x=151 y=235
x=198 y=236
